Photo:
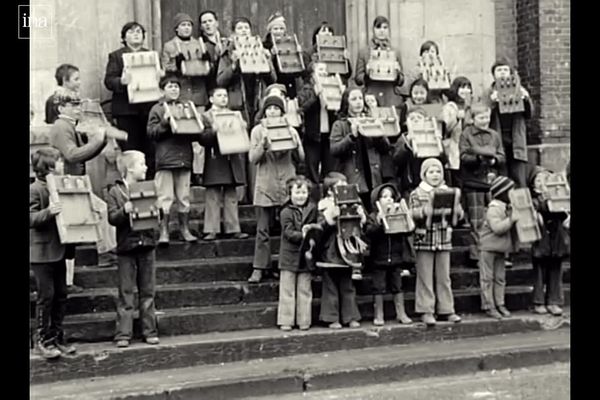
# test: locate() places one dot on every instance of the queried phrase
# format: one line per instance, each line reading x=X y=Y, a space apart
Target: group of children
x=384 y=170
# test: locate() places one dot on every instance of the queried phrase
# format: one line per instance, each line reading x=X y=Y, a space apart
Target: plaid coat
x=438 y=237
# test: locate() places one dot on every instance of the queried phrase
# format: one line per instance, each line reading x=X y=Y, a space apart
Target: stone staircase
x=209 y=316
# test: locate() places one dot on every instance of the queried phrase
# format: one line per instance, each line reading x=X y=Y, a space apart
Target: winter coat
x=273 y=170
x=74 y=148
x=112 y=80
x=387 y=250
x=407 y=166
x=310 y=105
x=193 y=88
x=328 y=243
x=556 y=240
x=172 y=150
x=348 y=157
x=519 y=127
x=127 y=239
x=220 y=170
x=474 y=170
x=44 y=241
x=438 y=237
x=242 y=97
x=293 y=218
x=497 y=233
x=387 y=93
x=214 y=55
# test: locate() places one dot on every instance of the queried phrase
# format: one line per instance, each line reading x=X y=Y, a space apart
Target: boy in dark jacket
x=47 y=258
x=548 y=253
x=135 y=251
x=338 y=298
x=295 y=292
x=390 y=253
x=173 y=162
x=511 y=127
x=481 y=156
x=222 y=174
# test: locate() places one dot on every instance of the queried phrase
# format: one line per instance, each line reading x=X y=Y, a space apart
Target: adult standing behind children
x=131 y=118
x=209 y=33
x=387 y=93
x=512 y=127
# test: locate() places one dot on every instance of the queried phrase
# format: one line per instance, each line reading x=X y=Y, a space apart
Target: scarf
x=428 y=188
x=381 y=43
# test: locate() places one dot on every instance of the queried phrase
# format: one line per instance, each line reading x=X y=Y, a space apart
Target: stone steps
x=197 y=288
x=100 y=326
x=258 y=363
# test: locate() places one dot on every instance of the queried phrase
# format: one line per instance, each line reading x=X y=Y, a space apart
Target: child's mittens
x=361 y=212
x=331 y=213
x=55 y=207
x=567 y=222
x=128 y=207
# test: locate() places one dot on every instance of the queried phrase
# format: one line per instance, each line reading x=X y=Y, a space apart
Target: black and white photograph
x=299 y=199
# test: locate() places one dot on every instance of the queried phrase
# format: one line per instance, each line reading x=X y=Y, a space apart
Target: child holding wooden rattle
x=389 y=229
x=135 y=252
x=496 y=239
x=433 y=243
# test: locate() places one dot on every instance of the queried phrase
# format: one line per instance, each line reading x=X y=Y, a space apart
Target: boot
x=184 y=227
x=164 y=230
x=400 y=312
x=256 y=277
x=378 y=310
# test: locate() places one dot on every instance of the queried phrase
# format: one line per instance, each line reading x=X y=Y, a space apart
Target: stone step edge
x=298 y=374
x=200 y=285
x=104 y=316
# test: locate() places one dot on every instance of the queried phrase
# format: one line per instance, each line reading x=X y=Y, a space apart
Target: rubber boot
x=184 y=227
x=164 y=230
x=378 y=310
x=400 y=311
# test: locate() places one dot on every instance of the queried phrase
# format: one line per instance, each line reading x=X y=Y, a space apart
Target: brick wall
x=528 y=57
x=506 y=28
x=555 y=69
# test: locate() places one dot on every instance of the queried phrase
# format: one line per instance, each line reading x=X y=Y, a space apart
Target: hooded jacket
x=387 y=250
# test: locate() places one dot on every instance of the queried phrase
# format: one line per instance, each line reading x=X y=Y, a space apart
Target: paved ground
x=548 y=382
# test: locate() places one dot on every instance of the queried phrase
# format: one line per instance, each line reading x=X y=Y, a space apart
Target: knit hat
x=275 y=19
x=428 y=163
x=279 y=86
x=274 y=100
x=331 y=179
x=500 y=185
x=181 y=17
